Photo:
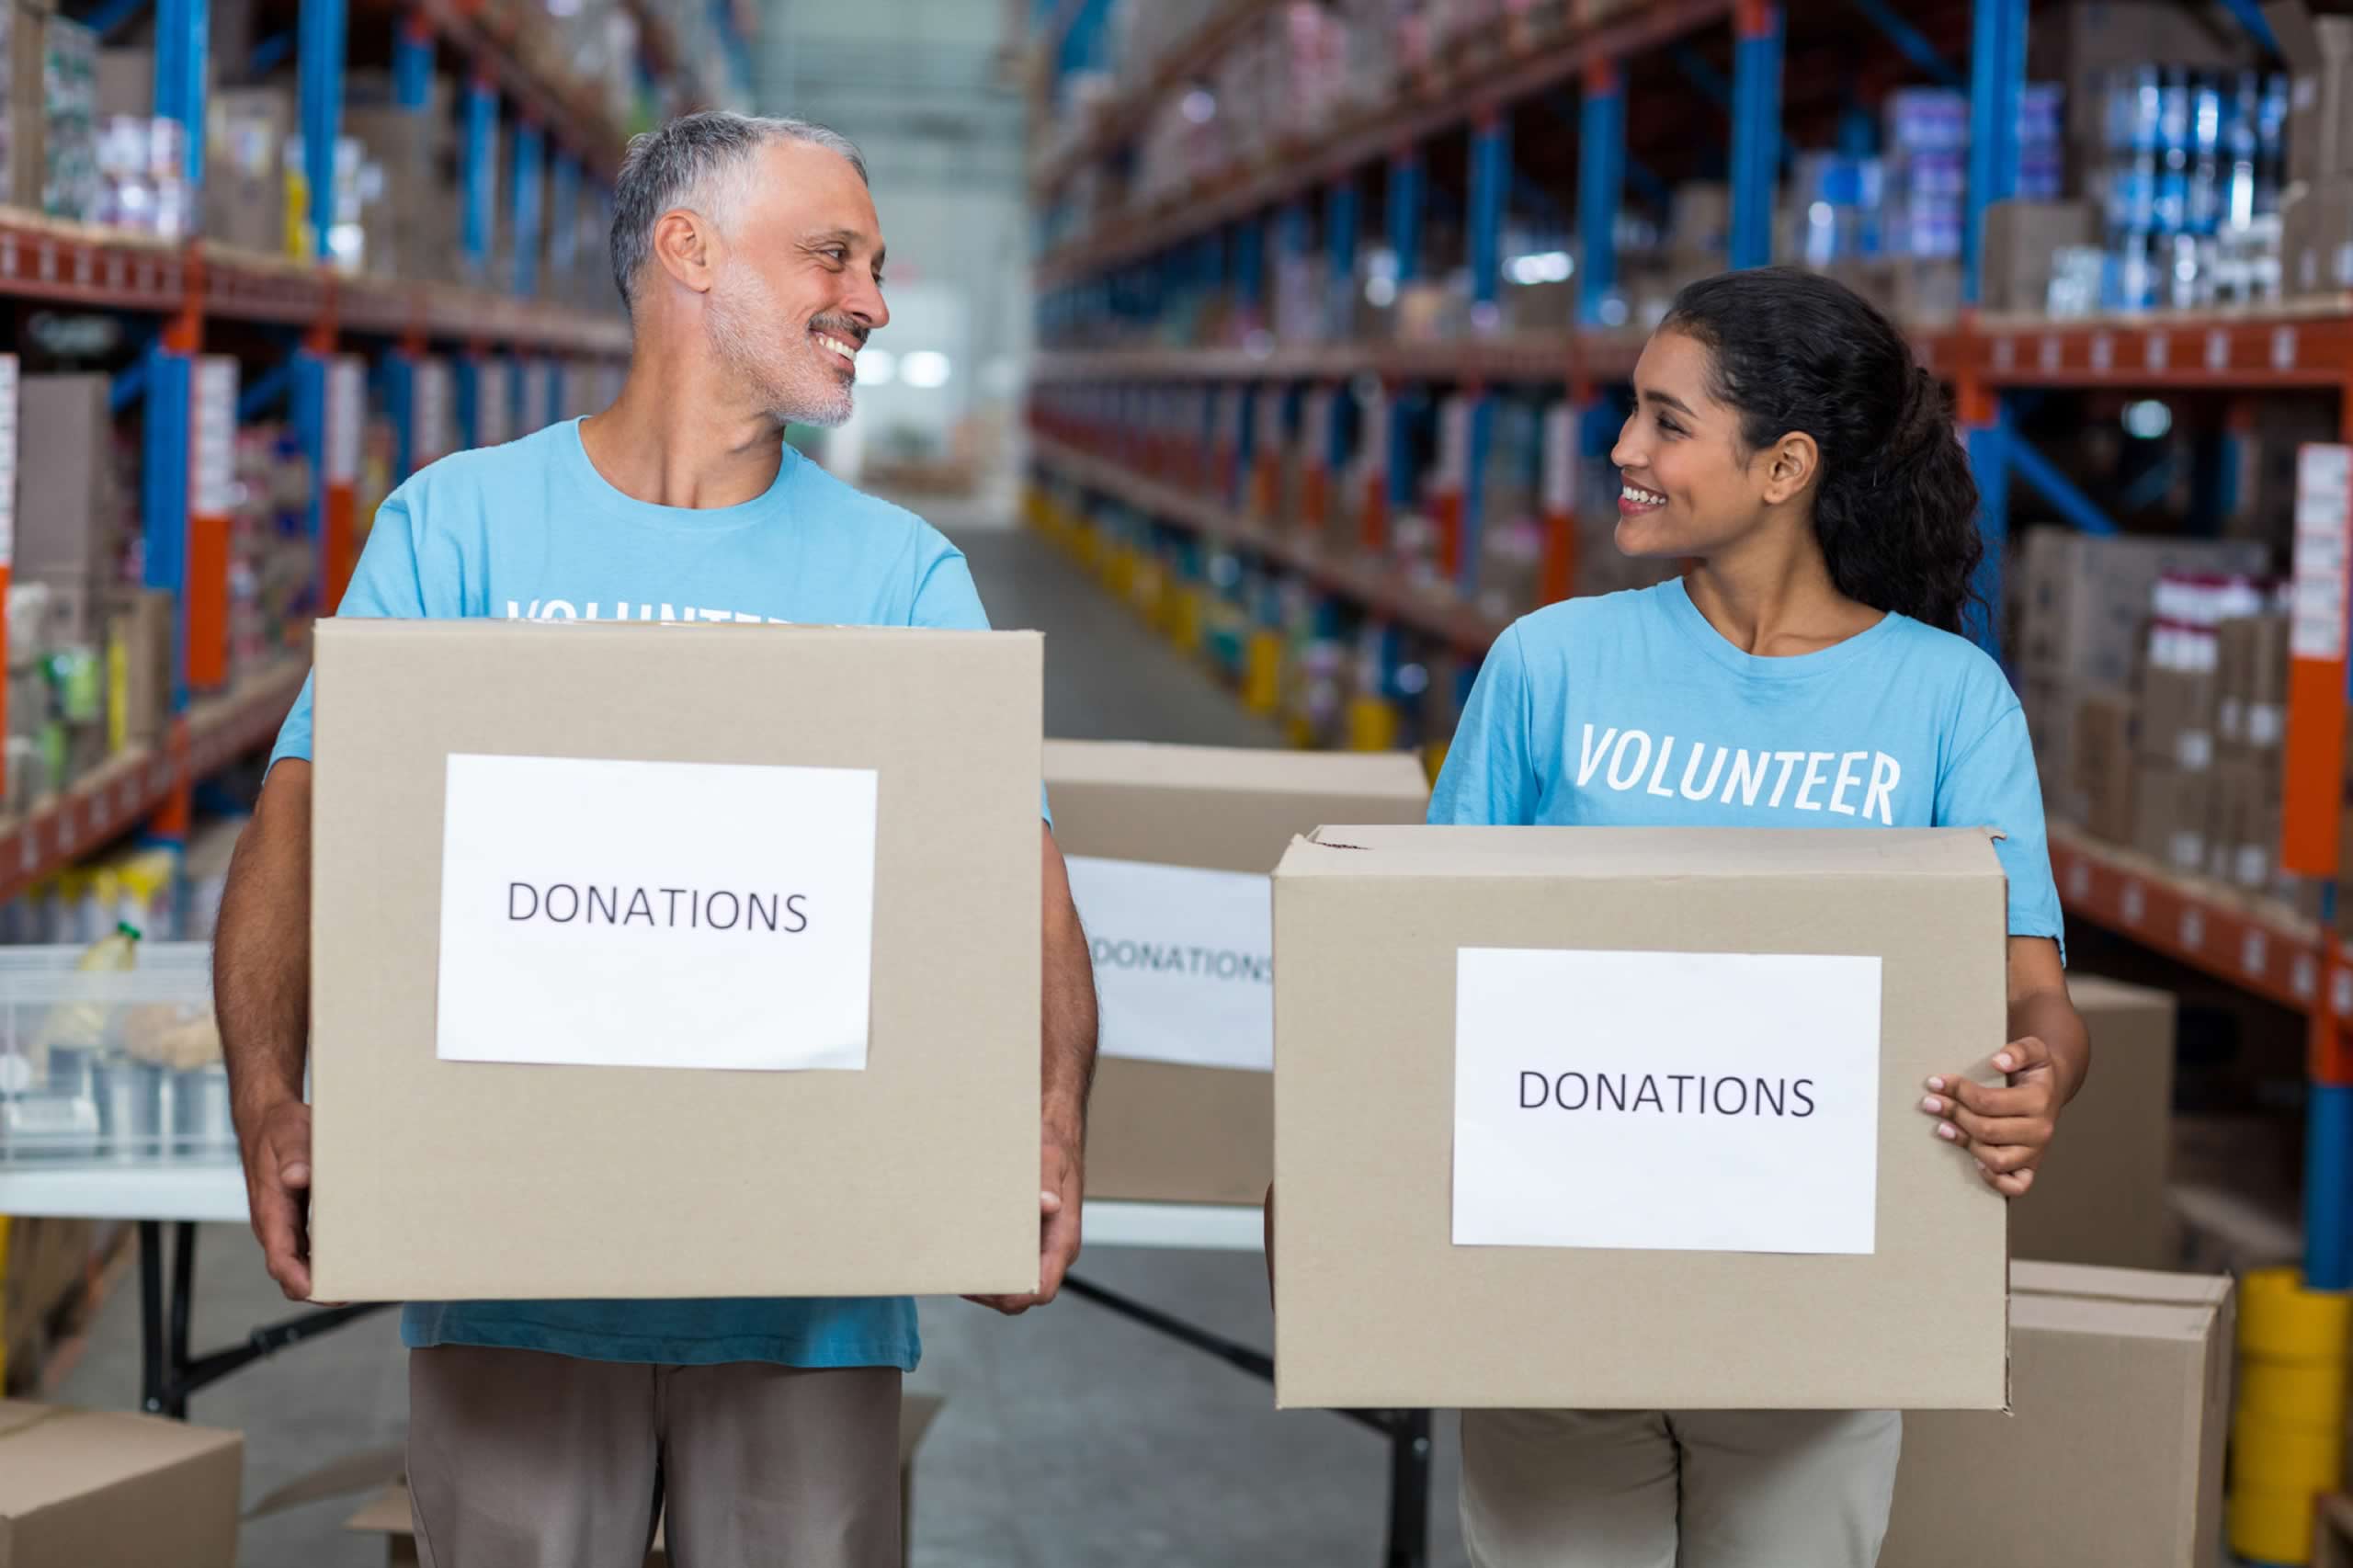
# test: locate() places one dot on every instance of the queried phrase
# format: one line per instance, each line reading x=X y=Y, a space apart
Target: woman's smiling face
x=1690 y=483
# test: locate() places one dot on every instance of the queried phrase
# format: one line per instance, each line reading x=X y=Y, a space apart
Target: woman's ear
x=1790 y=463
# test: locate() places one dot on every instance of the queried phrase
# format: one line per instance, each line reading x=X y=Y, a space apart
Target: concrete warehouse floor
x=1072 y=1438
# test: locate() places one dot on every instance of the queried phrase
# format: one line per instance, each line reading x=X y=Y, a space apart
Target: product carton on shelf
x=593 y=956
x=1727 y=1031
x=2112 y=1452
x=1170 y=849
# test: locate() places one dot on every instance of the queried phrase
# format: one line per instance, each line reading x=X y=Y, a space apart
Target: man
x=548 y=1432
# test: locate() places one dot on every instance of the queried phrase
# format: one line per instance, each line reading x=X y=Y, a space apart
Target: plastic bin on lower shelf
x=102 y=1063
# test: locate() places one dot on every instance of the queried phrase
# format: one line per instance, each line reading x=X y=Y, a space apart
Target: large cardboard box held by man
x=1170 y=850
x=2113 y=1451
x=673 y=960
x=1497 y=1186
x=2099 y=1193
x=102 y=1489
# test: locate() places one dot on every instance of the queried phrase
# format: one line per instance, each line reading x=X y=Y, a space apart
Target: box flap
x=2087 y=1282
x=337 y=1478
x=2147 y=1321
x=1602 y=853
x=917 y=1412
x=1259 y=770
x=335 y=632
x=66 y=1453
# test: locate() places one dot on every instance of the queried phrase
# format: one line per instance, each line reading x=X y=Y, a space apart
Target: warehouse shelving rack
x=344 y=325
x=1220 y=229
x=183 y=286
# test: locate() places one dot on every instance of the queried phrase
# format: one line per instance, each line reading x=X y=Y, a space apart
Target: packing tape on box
x=2271 y=1526
x=2296 y=1393
x=2279 y=1318
x=2285 y=1456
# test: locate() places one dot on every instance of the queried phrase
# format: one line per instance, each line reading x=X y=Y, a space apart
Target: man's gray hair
x=701 y=161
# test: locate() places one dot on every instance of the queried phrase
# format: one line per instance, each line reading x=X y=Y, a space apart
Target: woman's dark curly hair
x=1896 y=507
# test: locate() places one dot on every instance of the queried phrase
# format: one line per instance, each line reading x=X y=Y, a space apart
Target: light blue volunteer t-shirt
x=1631 y=710
x=531 y=530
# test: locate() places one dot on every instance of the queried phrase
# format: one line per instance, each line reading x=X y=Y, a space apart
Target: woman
x=1786 y=447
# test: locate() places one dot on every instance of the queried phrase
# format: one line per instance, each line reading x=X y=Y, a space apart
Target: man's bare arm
x=261 y=988
x=1066 y=1016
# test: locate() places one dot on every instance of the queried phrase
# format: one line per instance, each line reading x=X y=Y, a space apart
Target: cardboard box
x=2316 y=237
x=245 y=175
x=2172 y=807
x=2084 y=599
x=65 y=501
x=101 y=1489
x=127 y=81
x=2177 y=717
x=1159 y=1129
x=2130 y=1367
x=390 y=1513
x=2319 y=51
x=454 y=1179
x=2099 y=1194
x=49 y=1261
x=2020 y=238
x=1377 y=1305
x=2103 y=761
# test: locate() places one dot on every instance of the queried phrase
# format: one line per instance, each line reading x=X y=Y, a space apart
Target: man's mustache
x=848 y=331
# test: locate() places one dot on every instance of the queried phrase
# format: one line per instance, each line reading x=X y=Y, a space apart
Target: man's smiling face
x=801 y=289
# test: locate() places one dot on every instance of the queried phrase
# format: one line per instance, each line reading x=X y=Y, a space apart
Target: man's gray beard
x=743 y=322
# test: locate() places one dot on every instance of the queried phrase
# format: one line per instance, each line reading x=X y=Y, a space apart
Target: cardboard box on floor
x=2099 y=1194
x=2113 y=1451
x=389 y=1513
x=1164 y=1130
x=451 y=1179
x=105 y=1489
x=1377 y=1305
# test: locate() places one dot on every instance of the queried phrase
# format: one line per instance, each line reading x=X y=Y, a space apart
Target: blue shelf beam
x=1343 y=215
x=1601 y=188
x=1996 y=77
x=411 y=63
x=165 y=494
x=319 y=94
x=478 y=169
x=1490 y=180
x=1404 y=213
x=308 y=402
x=181 y=29
x=2079 y=510
x=1756 y=129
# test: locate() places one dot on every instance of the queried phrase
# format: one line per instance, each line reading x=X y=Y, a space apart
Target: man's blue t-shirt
x=531 y=530
x=1632 y=711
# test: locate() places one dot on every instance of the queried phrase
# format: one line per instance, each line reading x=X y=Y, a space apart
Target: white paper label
x=1183 y=961
x=347 y=417
x=656 y=913
x=1708 y=1102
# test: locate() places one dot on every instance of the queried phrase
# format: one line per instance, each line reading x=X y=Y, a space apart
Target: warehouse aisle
x=1071 y=1438
x=1108 y=677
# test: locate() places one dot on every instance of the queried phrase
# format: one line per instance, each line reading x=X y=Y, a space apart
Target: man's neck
x=673 y=443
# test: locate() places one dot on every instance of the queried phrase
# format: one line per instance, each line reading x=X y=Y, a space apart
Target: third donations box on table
x=1170 y=848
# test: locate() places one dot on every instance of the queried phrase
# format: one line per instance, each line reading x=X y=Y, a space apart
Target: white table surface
x=191 y=1190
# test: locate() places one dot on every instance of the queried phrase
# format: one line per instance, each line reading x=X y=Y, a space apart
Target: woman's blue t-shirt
x=1631 y=710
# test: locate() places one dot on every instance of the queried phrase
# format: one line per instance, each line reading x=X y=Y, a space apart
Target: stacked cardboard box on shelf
x=244 y=169
x=2083 y=604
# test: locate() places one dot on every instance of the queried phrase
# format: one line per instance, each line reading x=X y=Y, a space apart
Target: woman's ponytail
x=1895 y=508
